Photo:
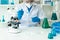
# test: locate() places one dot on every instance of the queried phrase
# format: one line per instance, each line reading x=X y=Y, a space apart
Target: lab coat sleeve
x=17 y=8
x=41 y=13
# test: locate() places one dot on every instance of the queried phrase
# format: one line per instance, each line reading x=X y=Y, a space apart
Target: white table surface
x=32 y=33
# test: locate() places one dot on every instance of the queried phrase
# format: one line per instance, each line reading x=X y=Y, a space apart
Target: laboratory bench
x=29 y=33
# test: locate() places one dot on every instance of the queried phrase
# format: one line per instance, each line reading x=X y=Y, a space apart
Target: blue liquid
x=52 y=4
x=3 y=20
x=12 y=3
x=50 y=36
x=4 y=1
x=54 y=33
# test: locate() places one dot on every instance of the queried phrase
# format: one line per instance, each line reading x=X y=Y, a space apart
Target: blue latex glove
x=35 y=19
x=20 y=14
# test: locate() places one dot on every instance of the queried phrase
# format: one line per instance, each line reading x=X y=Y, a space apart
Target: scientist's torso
x=27 y=16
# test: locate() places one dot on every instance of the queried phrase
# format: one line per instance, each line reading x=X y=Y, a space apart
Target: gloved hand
x=20 y=14
x=35 y=19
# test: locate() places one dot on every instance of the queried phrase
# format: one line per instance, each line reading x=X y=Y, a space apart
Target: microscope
x=13 y=25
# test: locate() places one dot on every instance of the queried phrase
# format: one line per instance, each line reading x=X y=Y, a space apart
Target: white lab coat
x=26 y=19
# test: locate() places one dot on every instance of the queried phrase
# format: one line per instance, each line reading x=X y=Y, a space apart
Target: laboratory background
x=48 y=29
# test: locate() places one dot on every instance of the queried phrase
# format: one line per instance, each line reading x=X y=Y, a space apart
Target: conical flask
x=45 y=23
x=54 y=16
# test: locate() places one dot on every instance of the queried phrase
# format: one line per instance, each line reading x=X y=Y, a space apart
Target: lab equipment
x=45 y=23
x=50 y=36
x=3 y=20
x=55 y=28
x=47 y=1
x=14 y=25
x=52 y=3
x=53 y=32
x=13 y=22
x=54 y=16
x=12 y=3
x=0 y=20
x=4 y=2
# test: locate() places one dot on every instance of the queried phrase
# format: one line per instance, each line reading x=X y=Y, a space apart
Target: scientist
x=29 y=13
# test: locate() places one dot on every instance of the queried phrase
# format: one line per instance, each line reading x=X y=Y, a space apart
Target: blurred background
x=7 y=7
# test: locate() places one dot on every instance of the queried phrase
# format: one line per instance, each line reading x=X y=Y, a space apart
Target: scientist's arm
x=40 y=16
x=19 y=12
